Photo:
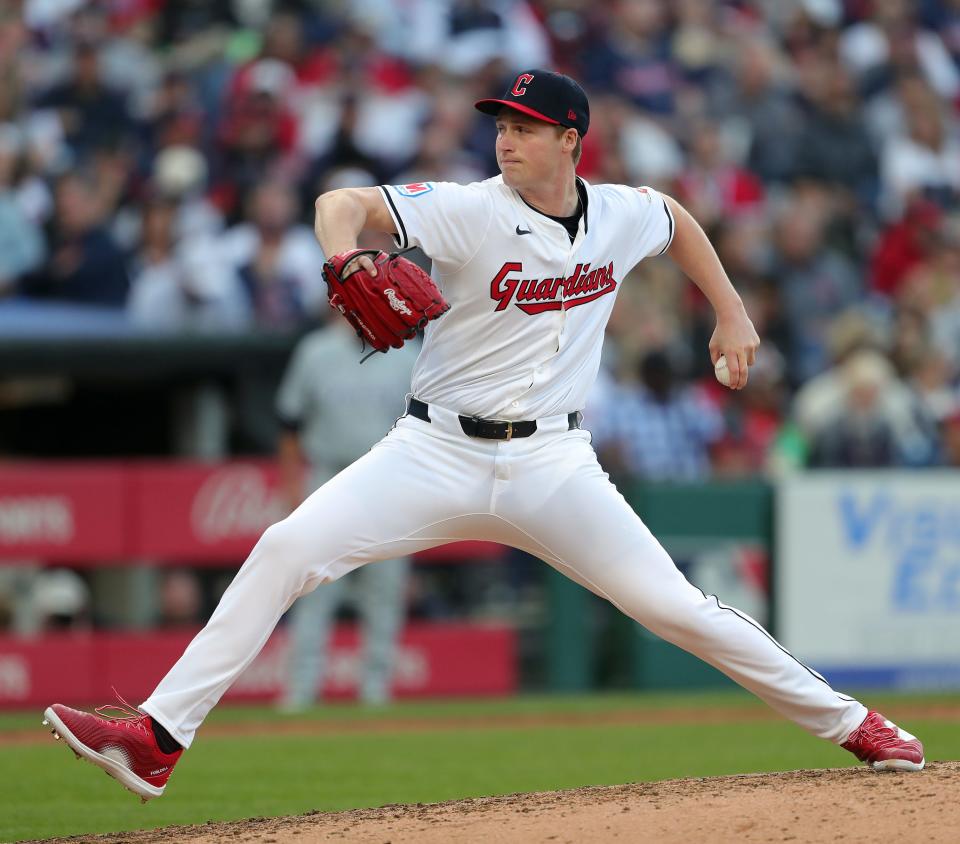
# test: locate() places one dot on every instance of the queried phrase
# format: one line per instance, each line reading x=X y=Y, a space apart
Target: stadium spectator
x=61 y=600
x=278 y=260
x=764 y=110
x=13 y=39
x=633 y=57
x=86 y=266
x=862 y=430
x=923 y=163
x=342 y=149
x=910 y=339
x=903 y=245
x=651 y=155
x=951 y=439
x=124 y=34
x=891 y=40
x=834 y=146
x=657 y=429
x=851 y=335
x=932 y=381
x=817 y=282
x=21 y=240
x=185 y=285
x=461 y=36
x=174 y=116
x=944 y=19
x=157 y=235
x=180 y=175
x=711 y=185
x=569 y=28
x=700 y=44
x=257 y=128
x=441 y=156
x=941 y=274
x=180 y=599
x=188 y=20
x=92 y=115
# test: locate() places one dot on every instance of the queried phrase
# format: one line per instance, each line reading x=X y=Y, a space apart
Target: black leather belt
x=488 y=429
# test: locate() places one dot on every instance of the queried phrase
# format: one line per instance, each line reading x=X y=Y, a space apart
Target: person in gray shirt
x=332 y=411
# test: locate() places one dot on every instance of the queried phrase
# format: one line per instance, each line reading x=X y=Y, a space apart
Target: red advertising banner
x=102 y=513
x=57 y=511
x=82 y=669
x=203 y=512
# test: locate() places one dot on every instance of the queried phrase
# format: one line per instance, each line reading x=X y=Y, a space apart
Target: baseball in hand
x=721 y=370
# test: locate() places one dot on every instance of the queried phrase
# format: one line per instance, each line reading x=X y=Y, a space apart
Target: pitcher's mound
x=847 y=805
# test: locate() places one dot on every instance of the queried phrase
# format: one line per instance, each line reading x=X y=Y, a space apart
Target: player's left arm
x=734 y=336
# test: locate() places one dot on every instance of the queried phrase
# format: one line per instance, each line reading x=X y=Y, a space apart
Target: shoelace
x=129 y=715
x=878 y=734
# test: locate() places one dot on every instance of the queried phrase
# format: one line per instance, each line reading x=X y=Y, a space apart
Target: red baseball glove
x=386 y=309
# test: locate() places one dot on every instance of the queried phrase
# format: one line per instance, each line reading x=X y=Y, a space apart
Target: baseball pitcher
x=526 y=269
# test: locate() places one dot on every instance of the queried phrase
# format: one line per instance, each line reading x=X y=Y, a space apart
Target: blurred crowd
x=159 y=161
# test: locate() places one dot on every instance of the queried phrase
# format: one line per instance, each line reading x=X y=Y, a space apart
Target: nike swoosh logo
x=522 y=231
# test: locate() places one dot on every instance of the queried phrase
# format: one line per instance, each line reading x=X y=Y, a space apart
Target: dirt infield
x=847 y=805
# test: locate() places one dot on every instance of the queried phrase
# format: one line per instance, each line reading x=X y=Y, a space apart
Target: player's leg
x=413 y=490
x=577 y=520
x=309 y=624
x=383 y=604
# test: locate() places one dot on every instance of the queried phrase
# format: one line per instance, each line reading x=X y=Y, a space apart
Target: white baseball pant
x=426 y=484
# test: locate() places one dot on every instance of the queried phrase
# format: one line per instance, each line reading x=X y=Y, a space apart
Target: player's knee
x=281 y=544
x=289 y=548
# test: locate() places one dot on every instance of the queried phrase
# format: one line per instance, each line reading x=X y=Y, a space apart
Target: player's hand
x=736 y=338
x=361 y=262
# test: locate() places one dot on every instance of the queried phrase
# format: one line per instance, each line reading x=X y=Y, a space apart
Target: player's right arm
x=342 y=214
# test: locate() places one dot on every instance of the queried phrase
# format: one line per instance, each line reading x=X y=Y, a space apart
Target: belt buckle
x=509 y=431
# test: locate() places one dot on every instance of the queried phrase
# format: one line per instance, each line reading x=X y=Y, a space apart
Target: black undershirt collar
x=571 y=223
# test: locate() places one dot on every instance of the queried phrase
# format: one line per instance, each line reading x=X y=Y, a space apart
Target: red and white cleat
x=122 y=745
x=884 y=746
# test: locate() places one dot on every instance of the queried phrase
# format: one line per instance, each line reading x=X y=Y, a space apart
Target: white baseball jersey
x=528 y=308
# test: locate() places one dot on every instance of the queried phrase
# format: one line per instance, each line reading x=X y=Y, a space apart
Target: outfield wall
x=85 y=667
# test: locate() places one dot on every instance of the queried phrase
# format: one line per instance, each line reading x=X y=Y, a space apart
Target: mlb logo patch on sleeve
x=414 y=189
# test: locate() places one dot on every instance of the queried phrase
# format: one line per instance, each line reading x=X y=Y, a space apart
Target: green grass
x=466 y=707
x=529 y=704
x=224 y=778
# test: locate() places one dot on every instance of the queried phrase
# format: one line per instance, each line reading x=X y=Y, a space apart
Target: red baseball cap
x=548 y=96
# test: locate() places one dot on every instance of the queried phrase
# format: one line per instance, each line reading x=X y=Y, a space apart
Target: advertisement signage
x=84 y=668
x=868 y=576
x=58 y=510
